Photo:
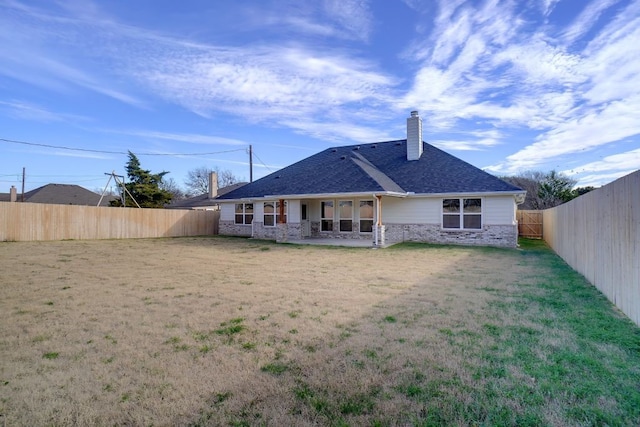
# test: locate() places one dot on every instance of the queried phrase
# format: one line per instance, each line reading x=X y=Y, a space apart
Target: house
x=207 y=201
x=385 y=192
x=58 y=194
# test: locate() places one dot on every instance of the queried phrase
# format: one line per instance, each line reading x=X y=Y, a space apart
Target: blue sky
x=508 y=86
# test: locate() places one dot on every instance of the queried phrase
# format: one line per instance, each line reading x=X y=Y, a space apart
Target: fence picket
x=37 y=221
x=598 y=235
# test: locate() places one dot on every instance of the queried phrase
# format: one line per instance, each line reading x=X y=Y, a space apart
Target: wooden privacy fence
x=598 y=234
x=35 y=221
x=529 y=224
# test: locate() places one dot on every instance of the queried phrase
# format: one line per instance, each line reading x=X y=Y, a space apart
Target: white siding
x=313 y=210
x=294 y=211
x=227 y=211
x=258 y=211
x=499 y=210
x=409 y=210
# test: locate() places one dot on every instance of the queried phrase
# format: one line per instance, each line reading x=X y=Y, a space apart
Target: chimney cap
x=414 y=113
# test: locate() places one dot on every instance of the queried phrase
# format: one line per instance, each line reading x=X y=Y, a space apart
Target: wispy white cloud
x=272 y=83
x=269 y=83
x=478 y=69
x=620 y=163
x=185 y=137
x=354 y=16
x=471 y=141
x=337 y=130
x=29 y=111
x=615 y=122
x=548 y=6
x=28 y=54
x=587 y=18
x=600 y=179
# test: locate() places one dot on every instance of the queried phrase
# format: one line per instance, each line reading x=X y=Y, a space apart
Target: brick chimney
x=13 y=194
x=213 y=185
x=414 y=136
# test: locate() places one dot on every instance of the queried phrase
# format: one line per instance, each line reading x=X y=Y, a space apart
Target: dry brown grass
x=218 y=331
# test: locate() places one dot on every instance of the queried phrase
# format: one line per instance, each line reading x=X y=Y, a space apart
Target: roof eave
x=515 y=193
x=317 y=196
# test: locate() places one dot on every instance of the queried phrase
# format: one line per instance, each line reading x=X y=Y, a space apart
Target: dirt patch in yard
x=219 y=331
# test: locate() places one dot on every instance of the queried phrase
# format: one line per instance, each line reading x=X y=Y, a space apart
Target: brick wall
x=230 y=228
x=490 y=235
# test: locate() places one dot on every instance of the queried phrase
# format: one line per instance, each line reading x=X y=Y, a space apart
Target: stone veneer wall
x=262 y=232
x=294 y=231
x=354 y=234
x=279 y=233
x=490 y=235
x=230 y=228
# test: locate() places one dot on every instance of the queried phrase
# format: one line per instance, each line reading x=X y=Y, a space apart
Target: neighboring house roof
x=61 y=194
x=375 y=168
x=203 y=200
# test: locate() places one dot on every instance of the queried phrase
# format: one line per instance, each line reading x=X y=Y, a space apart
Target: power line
x=260 y=160
x=88 y=150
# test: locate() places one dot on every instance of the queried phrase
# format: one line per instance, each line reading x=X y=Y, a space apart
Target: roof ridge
x=376 y=174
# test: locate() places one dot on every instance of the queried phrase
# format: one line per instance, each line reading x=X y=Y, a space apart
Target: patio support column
x=379 y=230
x=282 y=219
x=281 y=226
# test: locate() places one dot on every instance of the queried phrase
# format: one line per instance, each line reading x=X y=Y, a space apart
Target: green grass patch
x=232 y=327
x=50 y=356
x=552 y=338
x=274 y=368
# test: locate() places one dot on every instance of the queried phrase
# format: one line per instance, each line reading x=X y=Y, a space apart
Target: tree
x=544 y=190
x=555 y=190
x=579 y=191
x=170 y=185
x=198 y=179
x=144 y=186
x=530 y=182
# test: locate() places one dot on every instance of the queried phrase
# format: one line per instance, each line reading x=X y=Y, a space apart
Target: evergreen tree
x=144 y=186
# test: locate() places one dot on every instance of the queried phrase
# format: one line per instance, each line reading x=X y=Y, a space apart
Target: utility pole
x=23 y=175
x=250 y=163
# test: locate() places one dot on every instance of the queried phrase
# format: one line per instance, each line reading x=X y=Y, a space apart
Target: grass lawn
x=229 y=331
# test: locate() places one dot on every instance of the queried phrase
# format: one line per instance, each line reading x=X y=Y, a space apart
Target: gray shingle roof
x=203 y=200
x=61 y=194
x=378 y=167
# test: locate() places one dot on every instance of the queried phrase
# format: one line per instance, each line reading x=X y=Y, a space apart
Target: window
x=244 y=213
x=366 y=216
x=462 y=214
x=269 y=214
x=346 y=215
x=326 y=216
x=272 y=213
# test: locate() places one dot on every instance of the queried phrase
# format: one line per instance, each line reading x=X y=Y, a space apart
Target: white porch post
x=379 y=229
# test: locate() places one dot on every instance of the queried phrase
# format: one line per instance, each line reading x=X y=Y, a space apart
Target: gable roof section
x=203 y=200
x=379 y=167
x=62 y=194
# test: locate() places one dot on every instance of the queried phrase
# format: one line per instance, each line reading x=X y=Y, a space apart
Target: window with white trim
x=269 y=214
x=462 y=214
x=272 y=213
x=366 y=216
x=326 y=215
x=244 y=213
x=346 y=215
